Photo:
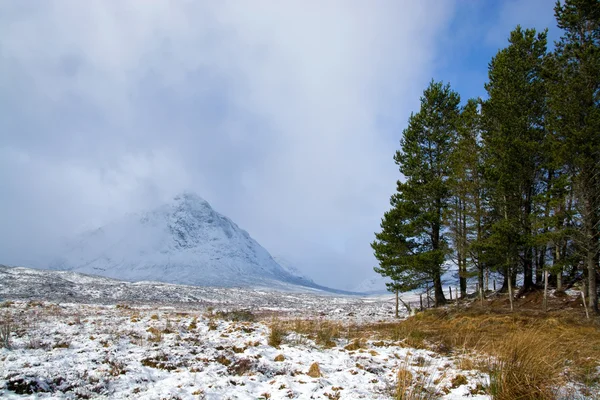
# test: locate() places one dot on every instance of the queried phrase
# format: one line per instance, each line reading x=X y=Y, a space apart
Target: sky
x=285 y=116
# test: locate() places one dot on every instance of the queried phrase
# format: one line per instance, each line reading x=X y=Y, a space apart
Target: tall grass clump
x=525 y=366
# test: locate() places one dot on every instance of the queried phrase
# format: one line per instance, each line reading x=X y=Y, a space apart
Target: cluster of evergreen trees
x=510 y=184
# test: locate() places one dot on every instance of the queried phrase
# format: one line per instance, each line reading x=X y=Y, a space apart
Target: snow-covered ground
x=72 y=350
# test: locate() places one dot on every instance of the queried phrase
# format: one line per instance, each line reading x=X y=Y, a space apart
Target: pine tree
x=513 y=136
x=575 y=113
x=424 y=161
x=466 y=211
x=395 y=247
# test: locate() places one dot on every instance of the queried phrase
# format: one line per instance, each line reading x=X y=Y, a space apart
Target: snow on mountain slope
x=291 y=268
x=184 y=241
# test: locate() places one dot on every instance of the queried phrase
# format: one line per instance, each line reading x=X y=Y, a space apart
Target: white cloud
x=284 y=115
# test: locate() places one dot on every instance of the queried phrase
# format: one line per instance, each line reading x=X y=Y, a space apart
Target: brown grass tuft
x=276 y=335
x=526 y=366
x=314 y=371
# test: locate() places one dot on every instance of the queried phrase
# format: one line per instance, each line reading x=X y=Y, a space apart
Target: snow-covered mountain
x=184 y=241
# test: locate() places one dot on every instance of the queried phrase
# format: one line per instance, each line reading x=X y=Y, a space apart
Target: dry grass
x=525 y=367
x=276 y=334
x=314 y=371
x=411 y=387
x=323 y=332
x=528 y=355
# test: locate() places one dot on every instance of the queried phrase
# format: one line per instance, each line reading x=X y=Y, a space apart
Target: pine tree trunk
x=510 y=289
x=527 y=270
x=545 y=291
x=463 y=245
x=439 y=299
x=528 y=253
x=505 y=278
x=557 y=268
x=480 y=279
x=592 y=262
x=592 y=235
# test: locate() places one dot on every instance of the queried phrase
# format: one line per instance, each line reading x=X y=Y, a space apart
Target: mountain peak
x=189 y=197
x=184 y=241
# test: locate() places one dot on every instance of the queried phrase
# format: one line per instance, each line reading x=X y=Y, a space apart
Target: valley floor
x=335 y=348
x=118 y=351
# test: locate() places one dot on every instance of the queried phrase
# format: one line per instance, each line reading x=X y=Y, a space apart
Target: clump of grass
x=7 y=304
x=404 y=380
x=326 y=335
x=221 y=359
x=279 y=358
x=63 y=344
x=356 y=344
x=160 y=361
x=212 y=325
x=314 y=371
x=459 y=380
x=155 y=334
x=411 y=387
x=238 y=350
x=526 y=366
x=241 y=366
x=276 y=335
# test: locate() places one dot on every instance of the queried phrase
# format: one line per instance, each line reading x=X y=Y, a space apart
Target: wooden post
x=450 y=289
x=481 y=296
x=510 y=295
x=421 y=300
x=585 y=305
x=397 y=302
x=545 y=290
x=427 y=294
x=494 y=285
x=457 y=299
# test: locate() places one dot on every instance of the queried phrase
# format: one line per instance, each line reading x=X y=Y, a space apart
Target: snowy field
x=74 y=336
x=86 y=351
